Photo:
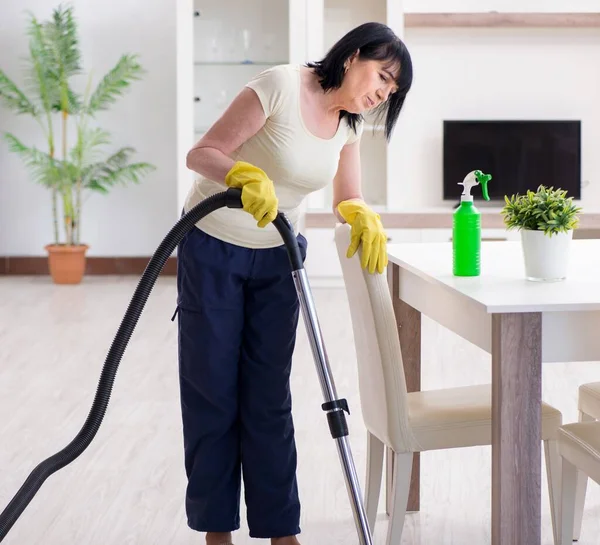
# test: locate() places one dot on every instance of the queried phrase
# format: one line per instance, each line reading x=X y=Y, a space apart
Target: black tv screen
x=520 y=155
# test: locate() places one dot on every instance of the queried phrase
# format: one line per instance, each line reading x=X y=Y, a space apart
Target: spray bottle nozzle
x=483 y=179
x=472 y=179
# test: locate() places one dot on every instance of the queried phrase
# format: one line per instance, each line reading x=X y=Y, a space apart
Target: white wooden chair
x=579 y=448
x=589 y=410
x=417 y=421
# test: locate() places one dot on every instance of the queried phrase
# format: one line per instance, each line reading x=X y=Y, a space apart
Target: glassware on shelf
x=246 y=39
x=214 y=49
x=269 y=40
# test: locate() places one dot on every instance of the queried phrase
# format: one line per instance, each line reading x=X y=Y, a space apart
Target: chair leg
x=401 y=485
x=554 y=474
x=375 y=449
x=581 y=490
x=389 y=476
x=567 y=503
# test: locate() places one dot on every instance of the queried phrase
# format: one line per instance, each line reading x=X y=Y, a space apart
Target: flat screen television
x=520 y=155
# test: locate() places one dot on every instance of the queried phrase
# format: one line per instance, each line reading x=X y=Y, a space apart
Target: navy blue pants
x=237 y=313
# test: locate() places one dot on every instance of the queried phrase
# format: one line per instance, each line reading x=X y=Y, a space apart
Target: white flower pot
x=546 y=257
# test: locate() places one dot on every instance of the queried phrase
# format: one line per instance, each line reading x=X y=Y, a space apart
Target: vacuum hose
x=230 y=198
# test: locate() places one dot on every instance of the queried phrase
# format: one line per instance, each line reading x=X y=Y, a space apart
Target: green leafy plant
x=54 y=61
x=546 y=209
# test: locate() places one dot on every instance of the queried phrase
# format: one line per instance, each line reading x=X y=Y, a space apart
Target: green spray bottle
x=466 y=227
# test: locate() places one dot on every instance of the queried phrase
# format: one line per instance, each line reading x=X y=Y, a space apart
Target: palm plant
x=54 y=60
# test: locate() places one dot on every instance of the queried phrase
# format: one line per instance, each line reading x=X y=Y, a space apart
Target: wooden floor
x=128 y=487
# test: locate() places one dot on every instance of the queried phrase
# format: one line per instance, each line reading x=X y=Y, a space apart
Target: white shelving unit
x=221 y=45
x=234 y=41
x=339 y=17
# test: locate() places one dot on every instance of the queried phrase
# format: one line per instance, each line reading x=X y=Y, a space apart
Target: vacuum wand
x=334 y=407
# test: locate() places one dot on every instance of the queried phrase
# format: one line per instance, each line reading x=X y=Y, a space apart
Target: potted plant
x=69 y=171
x=546 y=219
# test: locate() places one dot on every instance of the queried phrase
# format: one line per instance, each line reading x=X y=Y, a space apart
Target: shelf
x=499 y=20
x=239 y=63
x=440 y=218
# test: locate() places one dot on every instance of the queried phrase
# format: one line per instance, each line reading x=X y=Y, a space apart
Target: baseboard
x=34 y=265
x=38 y=266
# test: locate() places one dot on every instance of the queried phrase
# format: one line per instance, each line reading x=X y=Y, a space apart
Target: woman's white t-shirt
x=297 y=161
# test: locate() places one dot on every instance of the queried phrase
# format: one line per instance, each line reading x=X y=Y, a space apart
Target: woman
x=292 y=130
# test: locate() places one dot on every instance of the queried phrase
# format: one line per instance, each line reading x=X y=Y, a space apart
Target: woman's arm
x=366 y=228
x=347 y=181
x=241 y=120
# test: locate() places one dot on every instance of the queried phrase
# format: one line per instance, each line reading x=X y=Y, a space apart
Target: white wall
x=131 y=220
x=494 y=74
x=474 y=6
x=185 y=90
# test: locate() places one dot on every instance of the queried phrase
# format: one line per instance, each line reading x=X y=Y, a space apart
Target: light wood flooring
x=128 y=487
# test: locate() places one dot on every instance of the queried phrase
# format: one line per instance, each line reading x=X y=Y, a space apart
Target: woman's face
x=367 y=84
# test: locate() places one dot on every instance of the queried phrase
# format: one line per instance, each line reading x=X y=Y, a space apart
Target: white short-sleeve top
x=297 y=161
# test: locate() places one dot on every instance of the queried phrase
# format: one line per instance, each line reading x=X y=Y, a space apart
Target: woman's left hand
x=366 y=229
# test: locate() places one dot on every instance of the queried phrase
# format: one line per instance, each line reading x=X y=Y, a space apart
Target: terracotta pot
x=66 y=263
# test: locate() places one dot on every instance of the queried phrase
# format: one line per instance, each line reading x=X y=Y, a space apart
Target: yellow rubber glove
x=366 y=228
x=258 y=193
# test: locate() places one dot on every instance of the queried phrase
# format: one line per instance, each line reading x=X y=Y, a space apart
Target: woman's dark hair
x=374 y=41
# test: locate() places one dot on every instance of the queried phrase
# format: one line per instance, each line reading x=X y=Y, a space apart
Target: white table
x=521 y=324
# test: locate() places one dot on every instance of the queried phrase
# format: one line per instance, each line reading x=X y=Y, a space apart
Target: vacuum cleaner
x=334 y=407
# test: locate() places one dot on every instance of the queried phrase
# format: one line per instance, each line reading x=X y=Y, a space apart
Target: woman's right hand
x=258 y=193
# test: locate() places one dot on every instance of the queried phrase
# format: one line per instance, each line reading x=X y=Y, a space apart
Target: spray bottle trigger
x=483 y=180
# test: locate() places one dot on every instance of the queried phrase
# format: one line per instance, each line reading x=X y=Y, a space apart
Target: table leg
x=516 y=428
x=409 y=331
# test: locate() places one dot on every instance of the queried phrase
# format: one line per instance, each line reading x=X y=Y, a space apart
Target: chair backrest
x=382 y=383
